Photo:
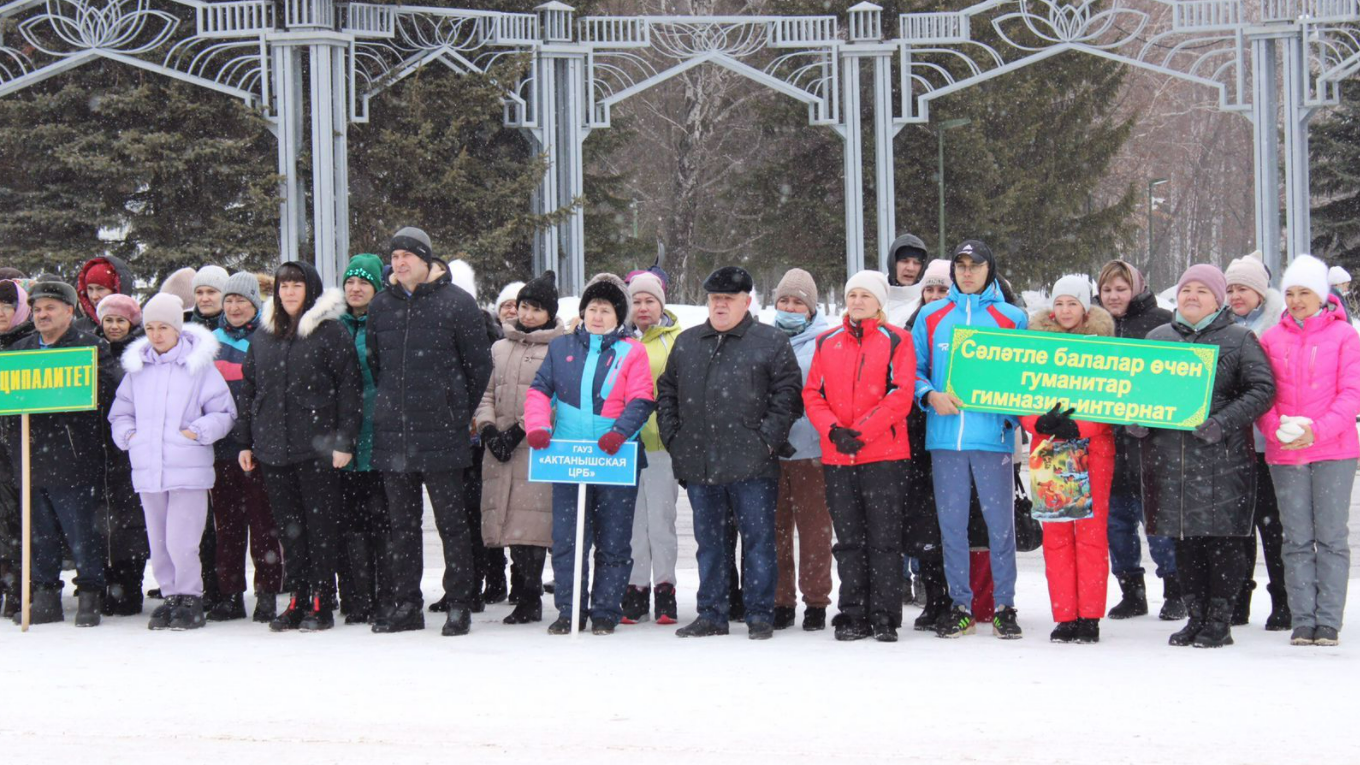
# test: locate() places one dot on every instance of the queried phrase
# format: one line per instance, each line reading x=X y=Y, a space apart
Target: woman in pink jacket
x=1311 y=446
x=170 y=407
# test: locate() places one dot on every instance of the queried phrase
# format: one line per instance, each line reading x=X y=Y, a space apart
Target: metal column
x=288 y=108
x=570 y=83
x=1298 y=217
x=1265 y=135
x=340 y=141
x=853 y=134
x=547 y=240
x=322 y=70
x=885 y=190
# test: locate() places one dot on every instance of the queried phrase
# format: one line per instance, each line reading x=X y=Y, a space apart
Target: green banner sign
x=56 y=380
x=1143 y=382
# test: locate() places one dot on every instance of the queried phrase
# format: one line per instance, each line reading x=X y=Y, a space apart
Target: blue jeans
x=994 y=474
x=1126 y=555
x=752 y=502
x=609 y=529
x=69 y=511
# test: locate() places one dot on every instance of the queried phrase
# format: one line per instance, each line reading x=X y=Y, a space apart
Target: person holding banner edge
x=601 y=360
x=1126 y=296
x=1200 y=486
x=1076 y=553
x=969 y=448
x=68 y=465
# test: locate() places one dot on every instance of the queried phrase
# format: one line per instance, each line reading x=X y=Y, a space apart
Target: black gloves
x=1058 y=424
x=502 y=444
x=846 y=440
x=1209 y=431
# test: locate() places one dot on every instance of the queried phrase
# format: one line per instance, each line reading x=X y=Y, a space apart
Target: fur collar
x=1098 y=322
x=202 y=351
x=331 y=305
x=437 y=271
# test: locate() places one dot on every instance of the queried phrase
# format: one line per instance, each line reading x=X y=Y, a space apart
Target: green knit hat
x=365 y=266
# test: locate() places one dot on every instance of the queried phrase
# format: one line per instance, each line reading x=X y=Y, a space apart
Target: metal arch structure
x=1230 y=47
x=1274 y=61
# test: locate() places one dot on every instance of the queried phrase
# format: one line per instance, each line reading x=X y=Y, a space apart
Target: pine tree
x=1334 y=144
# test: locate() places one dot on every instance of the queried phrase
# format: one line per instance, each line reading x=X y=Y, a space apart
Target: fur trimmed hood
x=1098 y=322
x=331 y=305
x=202 y=350
x=438 y=271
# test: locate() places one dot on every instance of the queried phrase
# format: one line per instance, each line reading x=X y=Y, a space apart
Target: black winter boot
x=229 y=608
x=89 y=607
x=848 y=628
x=458 y=623
x=665 y=604
x=637 y=604
x=701 y=627
x=1216 y=632
x=1065 y=632
x=292 y=616
x=1241 y=614
x=43 y=608
x=405 y=617
x=318 y=617
x=1280 y=616
x=1186 y=635
x=937 y=605
x=1173 y=609
x=814 y=619
x=1134 y=602
x=526 y=611
x=266 y=607
x=884 y=629
x=123 y=595
x=1088 y=630
x=736 y=610
x=160 y=617
x=495 y=591
x=784 y=617
x=187 y=613
x=440 y=606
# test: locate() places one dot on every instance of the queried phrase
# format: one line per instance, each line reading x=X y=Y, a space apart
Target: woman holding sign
x=1199 y=486
x=1311 y=447
x=858 y=395
x=600 y=360
x=1074 y=465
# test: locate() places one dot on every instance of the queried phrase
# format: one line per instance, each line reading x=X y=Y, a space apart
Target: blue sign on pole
x=583 y=462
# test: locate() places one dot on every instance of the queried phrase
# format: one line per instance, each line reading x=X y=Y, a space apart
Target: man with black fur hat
x=431 y=360
x=67 y=466
x=730 y=393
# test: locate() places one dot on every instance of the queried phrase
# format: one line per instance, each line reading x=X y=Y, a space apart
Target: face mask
x=791 y=323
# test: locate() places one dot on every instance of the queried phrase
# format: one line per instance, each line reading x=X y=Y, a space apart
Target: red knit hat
x=102 y=273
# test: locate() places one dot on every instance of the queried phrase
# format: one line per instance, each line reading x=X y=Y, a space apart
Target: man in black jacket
x=731 y=391
x=67 y=466
x=1125 y=295
x=431 y=361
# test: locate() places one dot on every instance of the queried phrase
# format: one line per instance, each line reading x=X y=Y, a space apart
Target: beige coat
x=514 y=511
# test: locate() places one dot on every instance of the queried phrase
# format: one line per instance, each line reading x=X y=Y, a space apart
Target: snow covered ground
x=237 y=693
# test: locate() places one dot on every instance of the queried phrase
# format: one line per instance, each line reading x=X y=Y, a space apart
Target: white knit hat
x=1249 y=272
x=1337 y=275
x=1076 y=286
x=936 y=274
x=873 y=282
x=509 y=294
x=166 y=308
x=1306 y=271
x=211 y=276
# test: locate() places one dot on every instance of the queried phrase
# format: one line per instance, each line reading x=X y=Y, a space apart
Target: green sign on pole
x=1142 y=382
x=55 y=380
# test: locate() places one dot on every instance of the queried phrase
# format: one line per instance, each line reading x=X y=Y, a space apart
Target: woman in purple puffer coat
x=170 y=408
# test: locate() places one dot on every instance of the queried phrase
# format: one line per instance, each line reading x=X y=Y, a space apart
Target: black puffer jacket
x=67 y=447
x=431 y=360
x=301 y=397
x=726 y=402
x=1143 y=316
x=1195 y=489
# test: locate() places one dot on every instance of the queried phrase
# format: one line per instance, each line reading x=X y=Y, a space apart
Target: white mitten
x=1291 y=428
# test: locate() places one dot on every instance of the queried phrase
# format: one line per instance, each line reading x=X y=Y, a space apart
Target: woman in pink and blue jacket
x=1312 y=446
x=594 y=385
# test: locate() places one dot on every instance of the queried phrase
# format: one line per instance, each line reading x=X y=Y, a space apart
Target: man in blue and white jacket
x=969 y=448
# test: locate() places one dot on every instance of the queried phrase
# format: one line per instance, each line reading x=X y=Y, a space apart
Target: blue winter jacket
x=807 y=444
x=595 y=383
x=932 y=335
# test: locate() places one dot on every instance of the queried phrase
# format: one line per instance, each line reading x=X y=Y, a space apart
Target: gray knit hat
x=211 y=276
x=245 y=284
x=799 y=284
x=413 y=240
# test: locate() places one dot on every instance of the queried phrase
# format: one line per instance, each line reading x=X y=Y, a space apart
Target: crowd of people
x=303 y=424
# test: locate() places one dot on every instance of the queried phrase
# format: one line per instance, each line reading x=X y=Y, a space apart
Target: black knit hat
x=611 y=288
x=415 y=241
x=55 y=290
x=729 y=280
x=542 y=292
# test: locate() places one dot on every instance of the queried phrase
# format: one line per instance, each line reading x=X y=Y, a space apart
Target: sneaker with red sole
x=665 y=604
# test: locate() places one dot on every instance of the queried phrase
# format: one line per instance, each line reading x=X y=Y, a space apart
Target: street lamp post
x=939 y=174
x=1155 y=182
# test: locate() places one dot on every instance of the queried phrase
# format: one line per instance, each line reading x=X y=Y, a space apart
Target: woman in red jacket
x=858 y=395
x=1077 y=553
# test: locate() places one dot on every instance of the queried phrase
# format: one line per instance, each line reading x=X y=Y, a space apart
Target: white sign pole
x=26 y=503
x=579 y=562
